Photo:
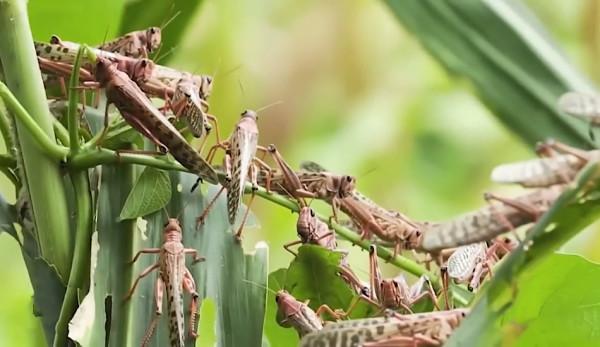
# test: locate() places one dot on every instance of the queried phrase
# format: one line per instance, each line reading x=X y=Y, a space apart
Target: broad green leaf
x=152 y=191
x=89 y=21
x=514 y=68
x=141 y=14
x=312 y=275
x=118 y=242
x=507 y=292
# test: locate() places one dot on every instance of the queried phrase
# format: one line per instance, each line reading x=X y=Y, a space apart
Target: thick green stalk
x=41 y=173
x=81 y=256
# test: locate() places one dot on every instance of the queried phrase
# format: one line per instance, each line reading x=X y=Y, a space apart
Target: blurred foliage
x=360 y=95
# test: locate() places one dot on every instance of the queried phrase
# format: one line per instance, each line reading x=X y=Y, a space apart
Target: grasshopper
x=396 y=293
x=173 y=277
x=421 y=329
x=297 y=314
x=143 y=116
x=471 y=263
x=136 y=44
x=240 y=150
x=560 y=165
x=188 y=104
x=585 y=106
x=488 y=222
x=58 y=56
x=372 y=219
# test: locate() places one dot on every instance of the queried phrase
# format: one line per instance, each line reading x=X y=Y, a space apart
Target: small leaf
x=152 y=191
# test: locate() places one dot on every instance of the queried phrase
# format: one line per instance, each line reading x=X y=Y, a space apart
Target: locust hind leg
x=253 y=172
x=158 y=298
x=416 y=294
x=190 y=286
x=527 y=209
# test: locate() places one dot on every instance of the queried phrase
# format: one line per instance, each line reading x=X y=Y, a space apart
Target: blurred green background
x=360 y=96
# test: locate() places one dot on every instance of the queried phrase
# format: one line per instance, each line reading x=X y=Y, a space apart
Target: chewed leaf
x=151 y=192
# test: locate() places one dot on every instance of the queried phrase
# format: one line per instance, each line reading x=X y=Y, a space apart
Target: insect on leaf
x=151 y=192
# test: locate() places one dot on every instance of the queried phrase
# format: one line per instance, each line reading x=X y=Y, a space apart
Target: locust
x=136 y=44
x=297 y=314
x=490 y=221
x=187 y=103
x=173 y=277
x=143 y=116
x=559 y=165
x=58 y=57
x=396 y=293
x=240 y=163
x=421 y=329
x=585 y=106
x=471 y=263
x=372 y=219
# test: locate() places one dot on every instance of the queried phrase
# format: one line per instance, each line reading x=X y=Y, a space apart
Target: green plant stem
x=81 y=256
x=39 y=135
x=61 y=132
x=88 y=158
x=40 y=170
x=8 y=161
x=72 y=116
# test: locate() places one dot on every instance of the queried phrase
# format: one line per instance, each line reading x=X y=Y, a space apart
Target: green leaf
x=142 y=14
x=312 y=275
x=515 y=70
x=526 y=273
x=152 y=191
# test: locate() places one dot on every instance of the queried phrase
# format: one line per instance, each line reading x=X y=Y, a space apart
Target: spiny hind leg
x=190 y=286
x=159 y=288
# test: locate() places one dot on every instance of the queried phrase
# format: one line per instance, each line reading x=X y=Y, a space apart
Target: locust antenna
x=260 y=286
x=165 y=24
x=279 y=102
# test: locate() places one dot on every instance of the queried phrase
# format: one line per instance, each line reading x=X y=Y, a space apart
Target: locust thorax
x=172 y=231
x=153 y=38
x=307 y=224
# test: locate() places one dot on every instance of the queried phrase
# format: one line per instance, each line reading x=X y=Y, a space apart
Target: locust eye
x=312 y=213
x=187 y=95
x=348 y=178
x=152 y=31
x=277 y=298
x=209 y=79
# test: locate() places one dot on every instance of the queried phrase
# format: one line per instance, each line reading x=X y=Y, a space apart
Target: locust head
x=413 y=238
x=205 y=85
x=153 y=38
x=287 y=306
x=172 y=230
x=250 y=114
x=346 y=186
x=391 y=292
x=307 y=224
